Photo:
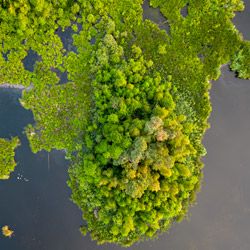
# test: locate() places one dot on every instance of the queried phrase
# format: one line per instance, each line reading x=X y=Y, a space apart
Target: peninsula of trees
x=135 y=105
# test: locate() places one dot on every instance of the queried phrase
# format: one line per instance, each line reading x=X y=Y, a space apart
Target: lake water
x=35 y=201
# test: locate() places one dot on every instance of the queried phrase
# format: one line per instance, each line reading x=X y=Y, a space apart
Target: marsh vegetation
x=133 y=111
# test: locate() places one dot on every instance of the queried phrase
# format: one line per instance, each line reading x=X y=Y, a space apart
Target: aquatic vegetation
x=241 y=61
x=7 y=154
x=135 y=107
x=6 y=231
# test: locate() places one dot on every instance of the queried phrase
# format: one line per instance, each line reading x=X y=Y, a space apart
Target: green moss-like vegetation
x=135 y=108
x=7 y=161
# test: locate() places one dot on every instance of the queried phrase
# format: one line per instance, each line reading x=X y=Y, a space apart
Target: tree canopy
x=7 y=154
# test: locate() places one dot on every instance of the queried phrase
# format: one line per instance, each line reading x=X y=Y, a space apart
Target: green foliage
x=134 y=109
x=7 y=161
x=60 y=114
x=6 y=231
x=132 y=165
x=241 y=61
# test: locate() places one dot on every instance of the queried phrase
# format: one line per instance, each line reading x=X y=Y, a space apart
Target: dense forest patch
x=135 y=107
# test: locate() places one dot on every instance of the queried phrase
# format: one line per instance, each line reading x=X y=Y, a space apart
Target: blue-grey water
x=35 y=201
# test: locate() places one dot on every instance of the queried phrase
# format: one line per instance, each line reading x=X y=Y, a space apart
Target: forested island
x=135 y=105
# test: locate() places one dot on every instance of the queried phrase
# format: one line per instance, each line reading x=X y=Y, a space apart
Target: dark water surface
x=35 y=201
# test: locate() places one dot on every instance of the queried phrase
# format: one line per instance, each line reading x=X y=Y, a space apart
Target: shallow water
x=35 y=201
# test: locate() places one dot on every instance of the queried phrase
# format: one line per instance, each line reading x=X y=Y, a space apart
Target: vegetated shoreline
x=21 y=87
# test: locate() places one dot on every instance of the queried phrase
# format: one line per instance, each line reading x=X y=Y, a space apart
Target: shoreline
x=15 y=86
